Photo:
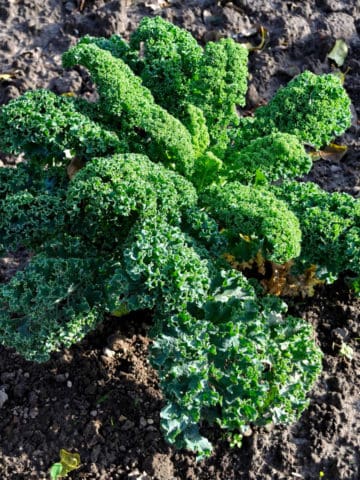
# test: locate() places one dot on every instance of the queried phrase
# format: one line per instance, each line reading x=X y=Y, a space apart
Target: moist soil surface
x=101 y=398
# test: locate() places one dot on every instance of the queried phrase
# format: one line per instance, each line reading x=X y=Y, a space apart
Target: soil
x=101 y=397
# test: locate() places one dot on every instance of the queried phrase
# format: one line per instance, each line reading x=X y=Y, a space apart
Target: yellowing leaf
x=264 y=34
x=246 y=238
x=120 y=311
x=69 y=461
x=6 y=76
x=282 y=282
x=339 y=52
x=333 y=153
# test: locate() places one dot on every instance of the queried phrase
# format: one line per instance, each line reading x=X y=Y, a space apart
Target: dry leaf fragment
x=276 y=284
x=264 y=35
x=282 y=282
x=333 y=153
x=339 y=52
x=156 y=4
x=5 y=76
x=81 y=5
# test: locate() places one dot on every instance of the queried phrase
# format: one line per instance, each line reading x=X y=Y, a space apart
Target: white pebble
x=108 y=353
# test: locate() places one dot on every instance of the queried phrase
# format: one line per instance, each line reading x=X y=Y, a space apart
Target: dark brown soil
x=101 y=398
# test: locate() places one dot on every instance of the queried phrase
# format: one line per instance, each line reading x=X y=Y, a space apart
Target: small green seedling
x=68 y=462
x=346 y=351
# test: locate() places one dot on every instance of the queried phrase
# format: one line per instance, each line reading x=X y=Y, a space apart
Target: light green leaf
x=339 y=52
x=56 y=471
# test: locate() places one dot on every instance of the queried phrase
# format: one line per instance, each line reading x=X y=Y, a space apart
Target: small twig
x=82 y=5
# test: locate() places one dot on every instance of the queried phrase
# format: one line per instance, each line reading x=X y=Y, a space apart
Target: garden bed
x=101 y=397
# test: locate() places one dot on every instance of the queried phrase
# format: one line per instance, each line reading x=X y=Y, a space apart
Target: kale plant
x=155 y=197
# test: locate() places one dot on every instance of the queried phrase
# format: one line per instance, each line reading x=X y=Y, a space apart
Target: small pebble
x=69 y=383
x=3 y=397
x=108 y=352
x=70 y=6
x=136 y=475
x=118 y=342
x=60 y=378
x=269 y=427
x=93 y=413
x=34 y=412
x=341 y=334
x=128 y=425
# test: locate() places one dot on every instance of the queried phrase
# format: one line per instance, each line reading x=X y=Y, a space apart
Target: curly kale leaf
x=44 y=126
x=122 y=96
x=352 y=248
x=118 y=47
x=218 y=86
x=32 y=205
x=160 y=268
x=180 y=355
x=14 y=180
x=28 y=220
x=194 y=120
x=53 y=303
x=236 y=363
x=203 y=229
x=252 y=220
x=169 y=57
x=327 y=221
x=106 y=197
x=273 y=157
x=314 y=108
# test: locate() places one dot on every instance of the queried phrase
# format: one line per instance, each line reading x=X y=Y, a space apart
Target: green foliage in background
x=137 y=200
